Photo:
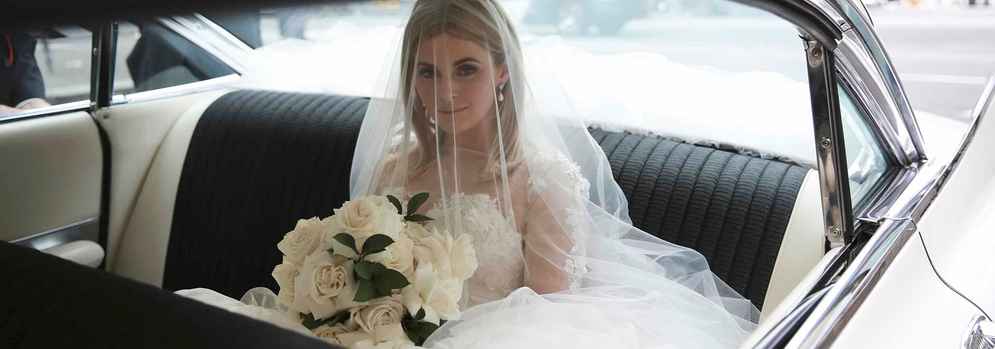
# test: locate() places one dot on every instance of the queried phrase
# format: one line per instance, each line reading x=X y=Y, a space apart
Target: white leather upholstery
x=145 y=238
x=136 y=130
x=802 y=246
x=50 y=173
x=84 y=252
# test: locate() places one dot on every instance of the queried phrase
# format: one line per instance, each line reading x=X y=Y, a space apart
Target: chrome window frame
x=863 y=32
x=213 y=39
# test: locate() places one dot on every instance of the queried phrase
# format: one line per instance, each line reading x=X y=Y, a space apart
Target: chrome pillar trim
x=219 y=43
x=987 y=95
x=102 y=65
x=218 y=83
x=886 y=69
x=46 y=111
x=830 y=146
x=839 y=305
x=853 y=286
x=860 y=72
x=83 y=230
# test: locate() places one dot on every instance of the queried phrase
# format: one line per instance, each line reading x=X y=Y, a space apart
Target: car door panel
x=51 y=176
x=908 y=308
x=958 y=226
x=136 y=130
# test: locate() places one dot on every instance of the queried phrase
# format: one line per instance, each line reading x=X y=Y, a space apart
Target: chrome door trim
x=852 y=287
x=54 y=110
x=87 y=229
x=218 y=83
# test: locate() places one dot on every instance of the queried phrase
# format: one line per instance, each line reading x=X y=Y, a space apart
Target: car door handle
x=83 y=252
x=980 y=334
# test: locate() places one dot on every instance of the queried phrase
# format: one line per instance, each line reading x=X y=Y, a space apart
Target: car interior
x=195 y=190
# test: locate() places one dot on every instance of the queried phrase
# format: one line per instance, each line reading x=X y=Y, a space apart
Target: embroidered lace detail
x=554 y=167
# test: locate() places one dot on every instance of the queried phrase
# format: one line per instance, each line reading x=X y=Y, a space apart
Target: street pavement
x=943 y=55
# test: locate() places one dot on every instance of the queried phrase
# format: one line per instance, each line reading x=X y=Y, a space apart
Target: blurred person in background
x=21 y=83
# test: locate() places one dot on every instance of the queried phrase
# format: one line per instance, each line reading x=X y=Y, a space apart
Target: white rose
x=382 y=313
x=452 y=258
x=396 y=339
x=303 y=240
x=369 y=215
x=331 y=334
x=354 y=338
x=433 y=250
x=437 y=296
x=284 y=274
x=398 y=256
x=324 y=285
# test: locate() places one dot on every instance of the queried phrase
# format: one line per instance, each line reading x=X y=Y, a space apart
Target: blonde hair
x=480 y=21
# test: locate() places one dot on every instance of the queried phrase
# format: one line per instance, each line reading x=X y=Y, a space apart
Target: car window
x=43 y=67
x=712 y=71
x=151 y=56
x=866 y=162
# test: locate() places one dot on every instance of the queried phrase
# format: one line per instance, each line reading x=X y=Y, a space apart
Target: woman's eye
x=466 y=70
x=426 y=73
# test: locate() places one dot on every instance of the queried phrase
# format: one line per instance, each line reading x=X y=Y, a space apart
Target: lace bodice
x=497 y=239
x=497 y=243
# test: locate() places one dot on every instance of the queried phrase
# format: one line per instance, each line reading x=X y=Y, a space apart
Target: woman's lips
x=454 y=111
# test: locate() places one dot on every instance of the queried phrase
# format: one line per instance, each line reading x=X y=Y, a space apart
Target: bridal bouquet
x=374 y=274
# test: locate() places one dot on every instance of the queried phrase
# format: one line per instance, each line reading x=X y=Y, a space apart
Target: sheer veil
x=455 y=116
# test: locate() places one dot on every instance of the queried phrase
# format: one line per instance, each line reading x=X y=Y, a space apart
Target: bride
x=560 y=264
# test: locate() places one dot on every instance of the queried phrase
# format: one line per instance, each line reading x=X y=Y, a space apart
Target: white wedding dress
x=499 y=312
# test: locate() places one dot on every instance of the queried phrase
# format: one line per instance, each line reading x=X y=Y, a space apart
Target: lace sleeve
x=555 y=224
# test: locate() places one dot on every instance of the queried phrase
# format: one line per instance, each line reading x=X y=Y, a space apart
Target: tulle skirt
x=606 y=317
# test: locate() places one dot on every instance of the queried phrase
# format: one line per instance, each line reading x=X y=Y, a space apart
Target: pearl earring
x=500 y=93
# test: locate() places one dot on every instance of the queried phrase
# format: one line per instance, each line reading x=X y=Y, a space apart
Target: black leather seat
x=258 y=161
x=48 y=302
x=731 y=208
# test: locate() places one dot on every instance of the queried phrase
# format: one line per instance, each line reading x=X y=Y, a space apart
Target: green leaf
x=416 y=202
x=364 y=291
x=383 y=289
x=391 y=279
x=311 y=323
x=420 y=315
x=367 y=270
x=418 y=331
x=417 y=218
x=396 y=202
x=376 y=244
x=347 y=240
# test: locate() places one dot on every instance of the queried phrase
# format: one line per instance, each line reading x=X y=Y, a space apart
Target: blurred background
x=943 y=49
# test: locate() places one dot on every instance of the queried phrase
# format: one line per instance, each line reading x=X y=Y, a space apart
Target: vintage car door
x=53 y=157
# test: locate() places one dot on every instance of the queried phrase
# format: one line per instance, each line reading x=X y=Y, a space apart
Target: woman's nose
x=446 y=89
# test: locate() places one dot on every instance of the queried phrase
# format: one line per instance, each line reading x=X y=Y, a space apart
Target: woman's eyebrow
x=465 y=60
x=428 y=64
